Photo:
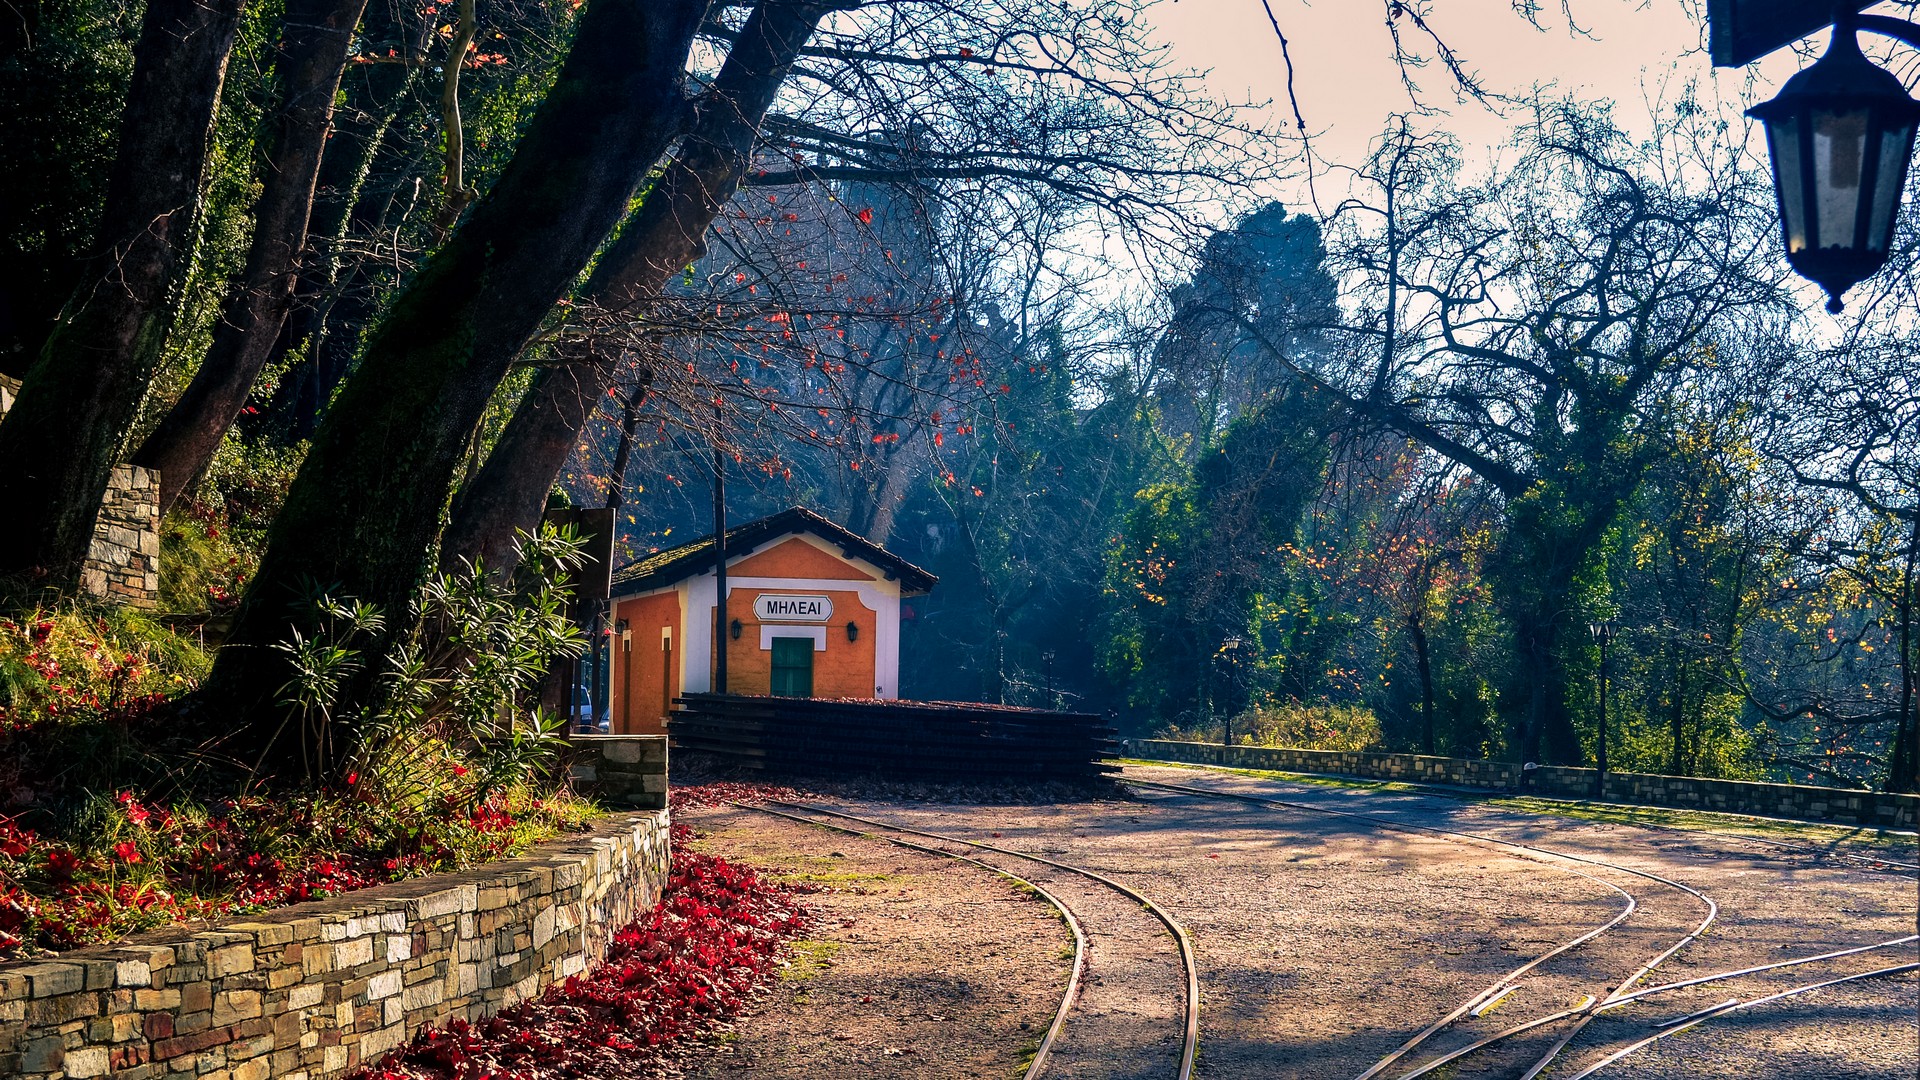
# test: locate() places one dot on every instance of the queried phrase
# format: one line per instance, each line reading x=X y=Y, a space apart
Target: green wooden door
x=792 y=667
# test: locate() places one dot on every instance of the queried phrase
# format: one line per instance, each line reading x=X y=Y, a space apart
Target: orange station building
x=813 y=610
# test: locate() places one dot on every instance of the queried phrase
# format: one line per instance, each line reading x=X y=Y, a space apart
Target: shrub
x=462 y=685
x=122 y=865
x=1295 y=725
x=1311 y=727
x=79 y=688
x=111 y=822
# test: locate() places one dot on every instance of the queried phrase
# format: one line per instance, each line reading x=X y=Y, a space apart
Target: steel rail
x=1059 y=1024
x=1584 y=1004
x=1590 y=1005
x=1579 y=1025
x=1713 y=911
x=1506 y=983
x=1190 y=1041
x=1734 y=1006
x=1664 y=987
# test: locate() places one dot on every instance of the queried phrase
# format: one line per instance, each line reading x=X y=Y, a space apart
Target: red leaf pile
x=689 y=963
x=720 y=793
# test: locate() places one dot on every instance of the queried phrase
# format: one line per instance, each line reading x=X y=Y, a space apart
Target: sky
x=1348 y=85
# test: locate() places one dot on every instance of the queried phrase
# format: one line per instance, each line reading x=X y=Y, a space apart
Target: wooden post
x=719 y=572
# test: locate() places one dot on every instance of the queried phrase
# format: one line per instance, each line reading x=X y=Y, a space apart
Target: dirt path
x=1128 y=1019
x=920 y=967
x=1325 y=943
x=1772 y=904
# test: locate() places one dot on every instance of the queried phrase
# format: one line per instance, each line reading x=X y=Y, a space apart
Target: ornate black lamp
x=1602 y=631
x=1840 y=134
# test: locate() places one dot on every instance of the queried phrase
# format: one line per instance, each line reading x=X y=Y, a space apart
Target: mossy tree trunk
x=363 y=515
x=63 y=436
x=314 y=44
x=665 y=234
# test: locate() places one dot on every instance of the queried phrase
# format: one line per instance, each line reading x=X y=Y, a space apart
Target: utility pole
x=719 y=567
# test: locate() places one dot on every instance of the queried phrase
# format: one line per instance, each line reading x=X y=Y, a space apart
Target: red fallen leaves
x=205 y=865
x=689 y=963
x=721 y=793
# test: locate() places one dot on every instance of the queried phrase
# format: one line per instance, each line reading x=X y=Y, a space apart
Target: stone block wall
x=622 y=770
x=313 y=991
x=1841 y=805
x=123 y=563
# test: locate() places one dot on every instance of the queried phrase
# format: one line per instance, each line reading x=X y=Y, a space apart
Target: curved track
x=1100 y=1030
x=1575 y=1018
x=1042 y=1054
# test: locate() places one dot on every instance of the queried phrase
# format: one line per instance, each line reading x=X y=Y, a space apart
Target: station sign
x=791 y=608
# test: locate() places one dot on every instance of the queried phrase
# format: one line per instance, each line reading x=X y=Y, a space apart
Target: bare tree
x=1534 y=328
x=1052 y=104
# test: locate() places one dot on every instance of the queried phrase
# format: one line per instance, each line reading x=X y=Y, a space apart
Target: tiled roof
x=676 y=564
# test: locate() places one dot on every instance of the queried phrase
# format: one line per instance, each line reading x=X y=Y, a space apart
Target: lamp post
x=1602 y=632
x=1840 y=135
x=1229 y=655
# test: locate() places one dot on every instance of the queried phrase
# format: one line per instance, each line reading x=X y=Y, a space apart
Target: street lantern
x=1602 y=631
x=1229 y=655
x=1840 y=134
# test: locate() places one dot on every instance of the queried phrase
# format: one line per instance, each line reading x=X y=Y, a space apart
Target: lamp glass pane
x=1896 y=144
x=1839 y=153
x=1783 y=139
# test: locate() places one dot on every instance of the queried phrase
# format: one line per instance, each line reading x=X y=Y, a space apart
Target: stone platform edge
x=1844 y=806
x=314 y=991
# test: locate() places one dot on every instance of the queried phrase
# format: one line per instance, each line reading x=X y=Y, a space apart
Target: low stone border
x=1841 y=805
x=621 y=770
x=312 y=991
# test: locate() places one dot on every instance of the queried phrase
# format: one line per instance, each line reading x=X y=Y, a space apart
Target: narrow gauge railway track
x=1107 y=1017
x=1041 y=1054
x=1584 y=1011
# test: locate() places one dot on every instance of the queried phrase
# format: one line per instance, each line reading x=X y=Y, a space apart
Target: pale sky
x=1348 y=85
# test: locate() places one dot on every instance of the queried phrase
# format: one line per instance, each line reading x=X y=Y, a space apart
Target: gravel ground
x=1325 y=943
x=1129 y=1018
x=920 y=966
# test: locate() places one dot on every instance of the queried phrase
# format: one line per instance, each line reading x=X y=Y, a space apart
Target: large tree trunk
x=313 y=52
x=666 y=233
x=59 y=443
x=362 y=516
x=1533 y=580
x=1677 y=711
x=1423 y=663
x=331 y=304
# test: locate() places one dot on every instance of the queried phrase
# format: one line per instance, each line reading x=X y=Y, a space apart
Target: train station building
x=813 y=610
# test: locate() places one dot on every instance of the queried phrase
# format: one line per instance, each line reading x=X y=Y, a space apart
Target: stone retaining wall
x=1841 y=805
x=622 y=770
x=313 y=991
x=123 y=562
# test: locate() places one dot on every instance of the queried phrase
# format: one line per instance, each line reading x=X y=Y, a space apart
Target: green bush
x=1297 y=725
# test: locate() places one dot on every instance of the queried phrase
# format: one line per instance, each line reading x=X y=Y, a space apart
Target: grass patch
x=831 y=877
x=807 y=958
x=1871 y=841
x=1028 y=1051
